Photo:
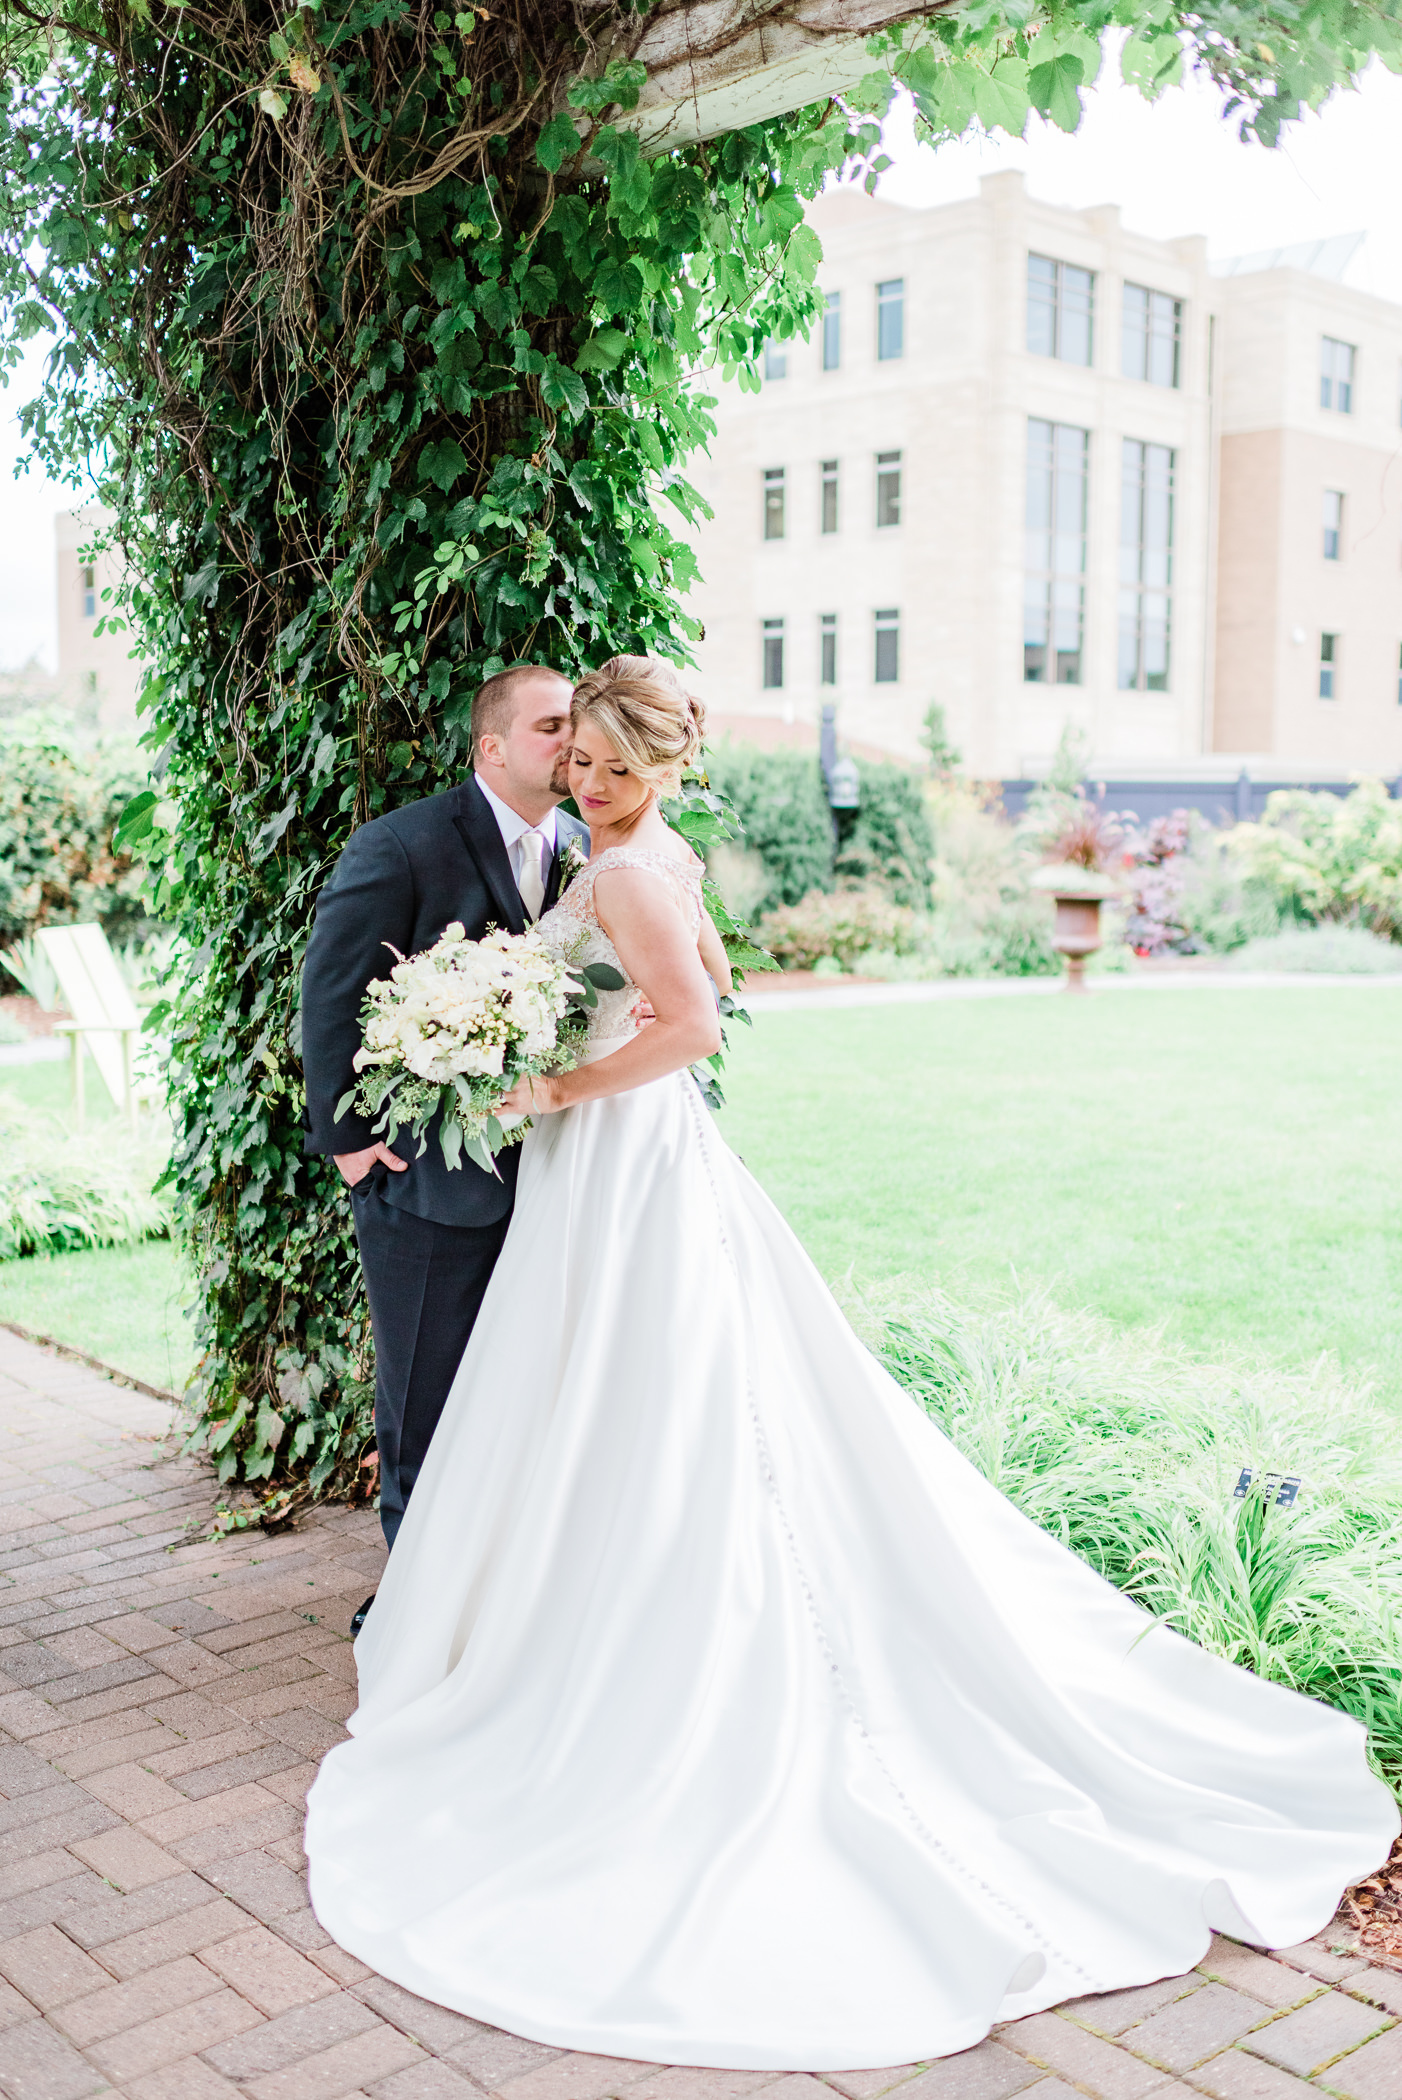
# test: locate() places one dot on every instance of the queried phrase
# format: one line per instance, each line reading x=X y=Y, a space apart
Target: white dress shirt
x=515 y=831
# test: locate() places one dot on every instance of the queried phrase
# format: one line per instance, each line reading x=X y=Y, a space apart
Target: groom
x=488 y=853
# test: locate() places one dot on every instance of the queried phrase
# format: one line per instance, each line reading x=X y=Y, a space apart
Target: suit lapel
x=565 y=830
x=478 y=828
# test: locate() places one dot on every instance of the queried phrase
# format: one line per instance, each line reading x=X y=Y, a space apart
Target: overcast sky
x=1173 y=168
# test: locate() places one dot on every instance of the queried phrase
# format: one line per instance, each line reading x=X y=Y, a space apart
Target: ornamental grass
x=62 y=1190
x=1131 y=1452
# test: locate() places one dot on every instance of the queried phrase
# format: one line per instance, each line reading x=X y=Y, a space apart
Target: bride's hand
x=530 y=1097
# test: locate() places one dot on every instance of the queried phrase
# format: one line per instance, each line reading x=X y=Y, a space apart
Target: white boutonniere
x=575 y=858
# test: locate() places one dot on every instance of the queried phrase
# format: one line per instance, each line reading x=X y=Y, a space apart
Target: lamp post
x=840 y=775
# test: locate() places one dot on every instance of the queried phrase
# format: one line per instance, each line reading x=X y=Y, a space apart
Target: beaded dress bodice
x=571 y=931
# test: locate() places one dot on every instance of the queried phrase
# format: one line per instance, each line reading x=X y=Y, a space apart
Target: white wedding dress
x=714 y=1711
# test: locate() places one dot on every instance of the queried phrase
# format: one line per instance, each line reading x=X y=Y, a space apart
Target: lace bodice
x=572 y=931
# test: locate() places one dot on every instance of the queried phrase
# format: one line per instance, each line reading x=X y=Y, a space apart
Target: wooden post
x=128 y=1076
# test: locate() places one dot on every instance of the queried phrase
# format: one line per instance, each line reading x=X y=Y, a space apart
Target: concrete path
x=162 y=1709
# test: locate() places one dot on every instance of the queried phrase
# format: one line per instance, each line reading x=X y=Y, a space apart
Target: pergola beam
x=717 y=65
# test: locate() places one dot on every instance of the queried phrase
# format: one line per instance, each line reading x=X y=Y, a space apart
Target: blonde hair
x=642 y=707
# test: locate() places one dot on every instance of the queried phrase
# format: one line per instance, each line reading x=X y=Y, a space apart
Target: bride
x=713 y=1710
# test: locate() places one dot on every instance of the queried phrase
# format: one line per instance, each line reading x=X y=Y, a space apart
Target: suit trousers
x=426 y=1283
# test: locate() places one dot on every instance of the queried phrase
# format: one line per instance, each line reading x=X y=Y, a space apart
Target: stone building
x=97 y=677
x=1039 y=469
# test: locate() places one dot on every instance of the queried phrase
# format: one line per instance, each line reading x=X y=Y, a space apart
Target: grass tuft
x=61 y=1190
x=1128 y=1450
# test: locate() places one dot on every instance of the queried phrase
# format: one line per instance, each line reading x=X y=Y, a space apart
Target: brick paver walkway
x=162 y=1707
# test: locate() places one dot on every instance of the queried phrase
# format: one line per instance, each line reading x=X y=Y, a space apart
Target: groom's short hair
x=495 y=703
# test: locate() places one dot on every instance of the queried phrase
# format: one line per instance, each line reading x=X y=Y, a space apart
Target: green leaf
x=442 y=464
x=562 y=388
x=602 y=351
x=956 y=96
x=621 y=83
x=802 y=256
x=744 y=955
x=1152 y=61
x=603 y=977
x=1053 y=88
x=1001 y=99
x=269 y=835
x=203 y=583
x=136 y=820
x=558 y=142
x=618 y=287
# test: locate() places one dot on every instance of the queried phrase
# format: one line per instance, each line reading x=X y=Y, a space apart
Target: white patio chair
x=105 y=1016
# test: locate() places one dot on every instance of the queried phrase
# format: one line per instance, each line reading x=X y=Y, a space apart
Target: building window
x=890 y=318
x=773 y=655
x=888 y=488
x=1058 y=470
x=1146 y=565
x=832 y=332
x=829 y=510
x=89 y=594
x=773 y=503
x=888 y=648
x=1151 y=326
x=1333 y=524
x=1336 y=375
x=1328 y=665
x=827 y=649
x=776 y=361
x=1060 y=310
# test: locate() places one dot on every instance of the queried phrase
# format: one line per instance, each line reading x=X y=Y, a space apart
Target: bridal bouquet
x=453 y=1028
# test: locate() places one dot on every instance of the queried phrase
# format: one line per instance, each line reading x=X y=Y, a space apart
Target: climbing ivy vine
x=387 y=348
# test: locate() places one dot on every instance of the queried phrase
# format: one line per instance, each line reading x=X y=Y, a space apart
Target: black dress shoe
x=361 y=1616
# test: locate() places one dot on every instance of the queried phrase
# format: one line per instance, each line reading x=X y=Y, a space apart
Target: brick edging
x=94 y=1363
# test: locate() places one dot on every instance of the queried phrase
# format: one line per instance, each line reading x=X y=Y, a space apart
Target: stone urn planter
x=1078 y=893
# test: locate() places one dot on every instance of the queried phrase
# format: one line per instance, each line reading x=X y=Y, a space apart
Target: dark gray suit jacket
x=402 y=878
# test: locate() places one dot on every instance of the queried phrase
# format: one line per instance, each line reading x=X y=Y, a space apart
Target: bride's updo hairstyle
x=653 y=723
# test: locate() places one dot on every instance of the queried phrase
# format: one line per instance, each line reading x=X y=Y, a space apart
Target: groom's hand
x=355 y=1166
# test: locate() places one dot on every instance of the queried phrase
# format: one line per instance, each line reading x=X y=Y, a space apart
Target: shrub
x=1220 y=904
x=1157 y=884
x=782 y=802
x=892 y=841
x=1323 y=856
x=1349 y=951
x=1012 y=940
x=838 y=923
x=59 y=804
x=780 y=799
x=60 y=1191
x=985 y=921
x=1129 y=1452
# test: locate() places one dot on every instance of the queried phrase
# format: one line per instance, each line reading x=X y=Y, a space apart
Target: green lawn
x=1224 y=1162
x=49 y=1087
x=122 y=1304
x=1229 y=1163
